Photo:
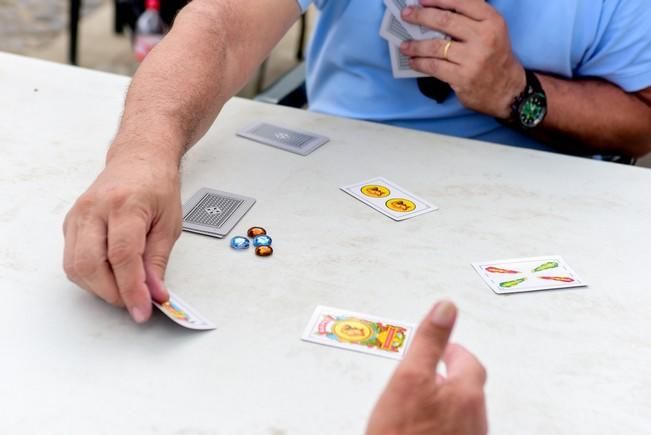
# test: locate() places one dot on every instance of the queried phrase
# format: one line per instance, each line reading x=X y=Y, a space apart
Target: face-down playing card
x=528 y=274
x=400 y=65
x=392 y=30
x=213 y=212
x=292 y=140
x=417 y=32
x=358 y=332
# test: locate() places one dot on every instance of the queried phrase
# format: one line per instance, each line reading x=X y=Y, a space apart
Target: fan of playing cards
x=395 y=31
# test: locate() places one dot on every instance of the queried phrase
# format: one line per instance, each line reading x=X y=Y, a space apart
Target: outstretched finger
x=431 y=338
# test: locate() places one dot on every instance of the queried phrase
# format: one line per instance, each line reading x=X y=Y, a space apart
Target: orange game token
x=264 y=251
x=256 y=231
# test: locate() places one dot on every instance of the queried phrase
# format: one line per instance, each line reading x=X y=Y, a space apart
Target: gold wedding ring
x=446 y=48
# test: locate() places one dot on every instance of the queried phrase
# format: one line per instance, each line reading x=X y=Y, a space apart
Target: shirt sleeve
x=304 y=4
x=621 y=51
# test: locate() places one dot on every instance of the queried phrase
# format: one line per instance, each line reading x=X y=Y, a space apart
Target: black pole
x=301 y=39
x=75 y=7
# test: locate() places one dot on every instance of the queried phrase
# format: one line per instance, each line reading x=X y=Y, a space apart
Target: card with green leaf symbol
x=528 y=274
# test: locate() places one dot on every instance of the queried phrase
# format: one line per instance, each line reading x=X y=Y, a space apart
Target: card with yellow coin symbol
x=183 y=314
x=358 y=332
x=389 y=199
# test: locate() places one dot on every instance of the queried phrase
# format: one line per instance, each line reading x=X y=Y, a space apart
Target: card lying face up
x=358 y=332
x=183 y=314
x=389 y=199
x=528 y=274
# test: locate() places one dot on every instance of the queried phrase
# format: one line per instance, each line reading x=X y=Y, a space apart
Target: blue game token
x=239 y=243
x=262 y=240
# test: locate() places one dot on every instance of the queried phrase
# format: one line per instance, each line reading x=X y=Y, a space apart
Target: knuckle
x=432 y=65
x=118 y=197
x=158 y=260
x=120 y=252
x=69 y=270
x=428 y=65
x=443 y=18
x=84 y=267
x=489 y=36
x=412 y=379
x=114 y=299
x=129 y=293
x=470 y=399
x=85 y=203
x=432 y=48
x=500 y=24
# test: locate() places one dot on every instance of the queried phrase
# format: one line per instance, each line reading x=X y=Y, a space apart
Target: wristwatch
x=530 y=107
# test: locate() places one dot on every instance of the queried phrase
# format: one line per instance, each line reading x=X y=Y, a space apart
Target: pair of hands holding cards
x=478 y=62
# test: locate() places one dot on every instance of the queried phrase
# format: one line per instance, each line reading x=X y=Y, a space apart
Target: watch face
x=533 y=110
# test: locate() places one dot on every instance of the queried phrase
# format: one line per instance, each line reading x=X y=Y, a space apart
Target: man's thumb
x=432 y=336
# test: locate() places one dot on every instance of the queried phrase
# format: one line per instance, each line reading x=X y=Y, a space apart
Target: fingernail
x=138 y=315
x=443 y=314
x=407 y=11
x=404 y=46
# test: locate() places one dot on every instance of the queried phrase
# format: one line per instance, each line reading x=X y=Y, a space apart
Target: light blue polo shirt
x=349 y=69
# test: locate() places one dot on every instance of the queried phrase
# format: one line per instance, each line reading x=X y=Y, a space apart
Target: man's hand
x=119 y=233
x=479 y=64
x=418 y=401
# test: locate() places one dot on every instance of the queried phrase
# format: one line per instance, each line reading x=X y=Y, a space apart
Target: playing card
x=214 y=213
x=392 y=30
x=389 y=199
x=181 y=313
x=400 y=64
x=528 y=274
x=358 y=332
x=295 y=141
x=417 y=32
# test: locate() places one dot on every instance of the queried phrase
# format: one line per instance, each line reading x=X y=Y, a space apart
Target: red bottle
x=150 y=29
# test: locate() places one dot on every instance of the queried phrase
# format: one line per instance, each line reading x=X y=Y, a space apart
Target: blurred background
x=100 y=35
x=104 y=41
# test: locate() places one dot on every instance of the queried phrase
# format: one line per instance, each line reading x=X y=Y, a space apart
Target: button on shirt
x=349 y=69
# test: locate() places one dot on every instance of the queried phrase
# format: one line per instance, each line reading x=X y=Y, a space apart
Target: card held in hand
x=183 y=314
x=417 y=32
x=358 y=332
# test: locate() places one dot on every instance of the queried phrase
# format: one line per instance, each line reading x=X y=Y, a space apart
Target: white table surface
x=559 y=362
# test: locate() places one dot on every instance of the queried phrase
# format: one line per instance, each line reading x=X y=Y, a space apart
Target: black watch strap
x=530 y=107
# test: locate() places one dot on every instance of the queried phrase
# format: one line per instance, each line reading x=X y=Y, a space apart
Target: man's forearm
x=210 y=53
x=595 y=116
